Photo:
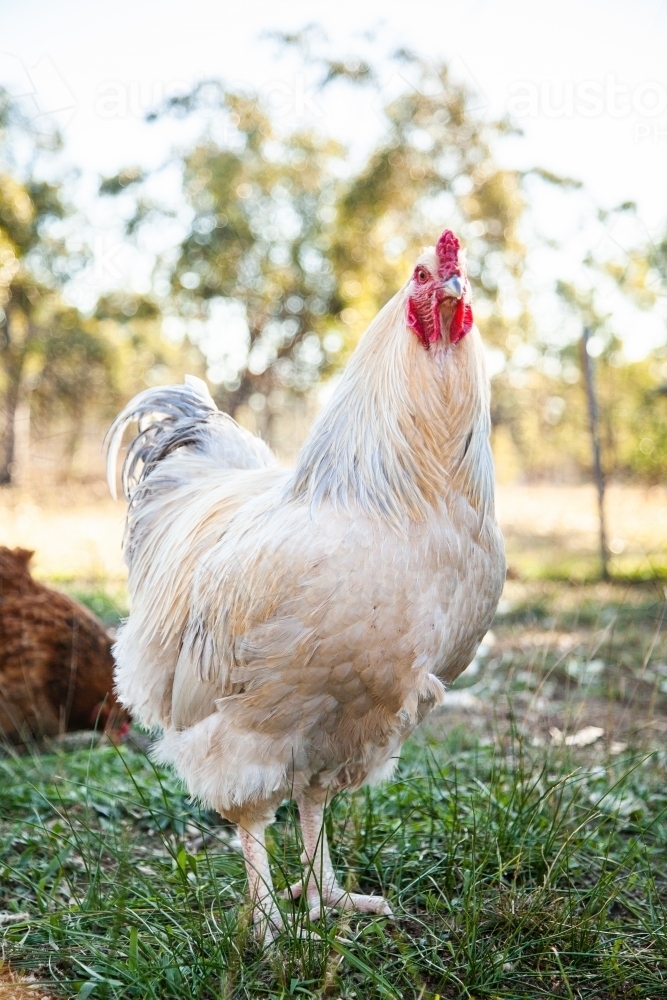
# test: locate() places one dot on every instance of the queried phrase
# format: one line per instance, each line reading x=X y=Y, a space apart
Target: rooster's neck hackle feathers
x=405 y=430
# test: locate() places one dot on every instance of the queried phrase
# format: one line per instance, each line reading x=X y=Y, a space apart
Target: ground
x=522 y=844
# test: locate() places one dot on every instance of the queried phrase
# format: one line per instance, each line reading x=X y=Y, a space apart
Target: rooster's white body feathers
x=289 y=628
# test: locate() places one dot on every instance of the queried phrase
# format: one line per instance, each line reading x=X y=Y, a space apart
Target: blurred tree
x=74 y=365
x=256 y=240
x=309 y=250
x=133 y=323
x=634 y=409
x=295 y=247
x=34 y=262
x=25 y=210
x=551 y=419
x=53 y=358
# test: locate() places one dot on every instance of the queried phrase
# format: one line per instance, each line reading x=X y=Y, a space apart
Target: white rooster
x=290 y=628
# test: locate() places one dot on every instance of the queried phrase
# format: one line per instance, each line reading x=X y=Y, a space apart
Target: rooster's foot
x=295 y=891
x=292 y=892
x=336 y=898
x=267 y=925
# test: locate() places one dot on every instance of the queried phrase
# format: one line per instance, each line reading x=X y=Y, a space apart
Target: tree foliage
x=311 y=249
x=292 y=245
x=63 y=364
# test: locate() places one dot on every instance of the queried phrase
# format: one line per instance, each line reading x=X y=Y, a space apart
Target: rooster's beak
x=453 y=288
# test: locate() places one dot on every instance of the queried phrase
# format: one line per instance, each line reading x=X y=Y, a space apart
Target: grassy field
x=514 y=871
x=522 y=845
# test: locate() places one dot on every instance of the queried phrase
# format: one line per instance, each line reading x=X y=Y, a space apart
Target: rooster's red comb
x=447 y=251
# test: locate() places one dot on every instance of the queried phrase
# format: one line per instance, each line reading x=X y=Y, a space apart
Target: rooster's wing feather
x=298 y=624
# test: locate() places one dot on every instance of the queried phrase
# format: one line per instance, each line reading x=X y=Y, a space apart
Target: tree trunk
x=8 y=446
x=594 y=425
x=13 y=352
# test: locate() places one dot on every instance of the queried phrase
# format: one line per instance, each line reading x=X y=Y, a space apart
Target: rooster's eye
x=421 y=274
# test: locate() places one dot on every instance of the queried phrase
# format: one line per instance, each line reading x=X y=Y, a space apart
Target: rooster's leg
x=322 y=889
x=265 y=914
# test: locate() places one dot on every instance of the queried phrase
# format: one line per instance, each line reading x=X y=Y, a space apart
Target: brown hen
x=56 y=667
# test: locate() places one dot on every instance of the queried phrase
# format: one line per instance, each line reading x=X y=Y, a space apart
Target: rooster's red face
x=439 y=294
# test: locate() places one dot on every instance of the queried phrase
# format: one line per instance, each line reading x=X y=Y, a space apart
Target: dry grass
x=76 y=531
x=549 y=530
x=13 y=987
x=552 y=531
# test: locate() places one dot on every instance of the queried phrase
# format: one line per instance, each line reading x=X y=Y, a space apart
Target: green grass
x=109 y=607
x=513 y=871
x=106 y=600
x=516 y=868
x=566 y=567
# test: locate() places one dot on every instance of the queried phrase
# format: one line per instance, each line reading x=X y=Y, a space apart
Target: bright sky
x=586 y=80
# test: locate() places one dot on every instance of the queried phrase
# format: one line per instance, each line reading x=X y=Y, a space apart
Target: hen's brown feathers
x=56 y=667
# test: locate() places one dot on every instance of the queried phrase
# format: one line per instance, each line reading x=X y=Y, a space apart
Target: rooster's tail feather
x=176 y=417
x=185 y=474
